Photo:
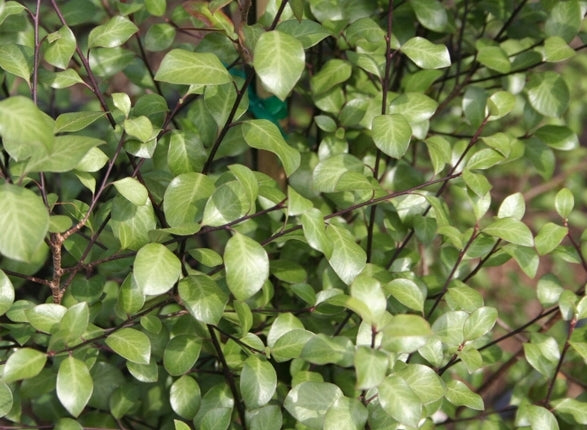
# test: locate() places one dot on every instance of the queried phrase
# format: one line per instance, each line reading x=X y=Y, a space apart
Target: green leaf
x=405 y=333
x=548 y=93
x=131 y=224
x=549 y=290
x=564 y=202
x=371 y=366
x=65 y=79
x=332 y=73
x=462 y=297
x=474 y=103
x=484 y=159
x=449 y=327
x=577 y=409
x=480 y=322
x=322 y=349
x=341 y=172
x=542 y=353
x=156 y=269
x=266 y=418
x=16 y=60
x=6 y=294
x=500 y=104
x=156 y=7
x=24 y=128
x=309 y=401
x=131 y=297
x=315 y=231
x=132 y=190
x=537 y=417
x=248 y=180
x=476 y=182
x=308 y=32
x=392 y=134
x=556 y=49
x=144 y=372
x=348 y=259
x=24 y=363
x=23 y=224
x=263 y=134
x=76 y=121
x=431 y=14
x=439 y=151
x=185 y=397
x=65 y=154
x=181 y=353
x=283 y=323
x=415 y=107
x=426 y=54
x=407 y=292
x=247 y=266
x=290 y=345
x=227 y=203
x=184 y=67
x=558 y=137
x=74 y=385
x=159 y=37
x=513 y=206
x=130 y=344
x=460 y=395
x=185 y=198
x=494 y=58
x=346 y=413
x=368 y=299
x=399 y=400
x=549 y=237
x=202 y=298
x=258 y=382
x=6 y=399
x=140 y=128
x=510 y=230
x=279 y=61
x=564 y=20
x=112 y=34
x=61 y=47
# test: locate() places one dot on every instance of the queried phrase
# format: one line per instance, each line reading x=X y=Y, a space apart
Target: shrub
x=340 y=214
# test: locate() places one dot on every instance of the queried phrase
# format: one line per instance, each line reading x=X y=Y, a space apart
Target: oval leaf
x=510 y=230
x=131 y=344
x=184 y=67
x=156 y=269
x=258 y=382
x=247 y=266
x=392 y=134
x=74 y=385
x=24 y=364
x=426 y=54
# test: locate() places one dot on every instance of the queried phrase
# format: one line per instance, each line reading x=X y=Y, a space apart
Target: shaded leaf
x=202 y=298
x=309 y=401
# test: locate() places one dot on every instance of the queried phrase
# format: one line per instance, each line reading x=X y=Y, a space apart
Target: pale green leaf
x=309 y=401
x=460 y=395
x=258 y=382
x=510 y=230
x=185 y=198
x=500 y=104
x=180 y=66
x=564 y=20
x=431 y=14
x=130 y=344
x=61 y=47
x=558 y=137
x=156 y=269
x=6 y=293
x=132 y=190
x=263 y=134
x=548 y=93
x=556 y=49
x=76 y=121
x=542 y=353
x=494 y=58
x=480 y=322
x=74 y=385
x=247 y=266
x=405 y=333
x=564 y=202
x=415 y=107
x=371 y=366
x=407 y=292
x=513 y=206
x=348 y=259
x=112 y=34
x=568 y=406
x=66 y=153
x=549 y=237
x=203 y=298
x=279 y=61
x=23 y=224
x=391 y=134
x=15 y=59
x=399 y=400
x=181 y=353
x=426 y=54
x=6 y=399
x=185 y=397
x=24 y=363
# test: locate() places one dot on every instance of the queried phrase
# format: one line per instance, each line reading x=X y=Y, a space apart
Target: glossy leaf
x=6 y=293
x=184 y=397
x=61 y=47
x=511 y=230
x=348 y=259
x=548 y=94
x=573 y=407
x=564 y=203
x=24 y=363
x=556 y=49
x=112 y=34
x=6 y=399
x=405 y=333
x=549 y=237
x=258 y=382
x=399 y=400
x=391 y=134
x=262 y=134
x=156 y=269
x=494 y=58
x=558 y=137
x=279 y=61
x=23 y=224
x=426 y=54
x=131 y=344
x=431 y=14
x=74 y=385
x=185 y=198
x=564 y=20
x=371 y=366
x=15 y=60
x=480 y=322
x=180 y=66
x=308 y=402
x=543 y=354
x=247 y=266
x=460 y=395
x=181 y=354
x=407 y=293
x=202 y=298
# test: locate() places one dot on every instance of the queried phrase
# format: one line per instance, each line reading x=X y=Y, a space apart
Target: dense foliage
x=331 y=214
